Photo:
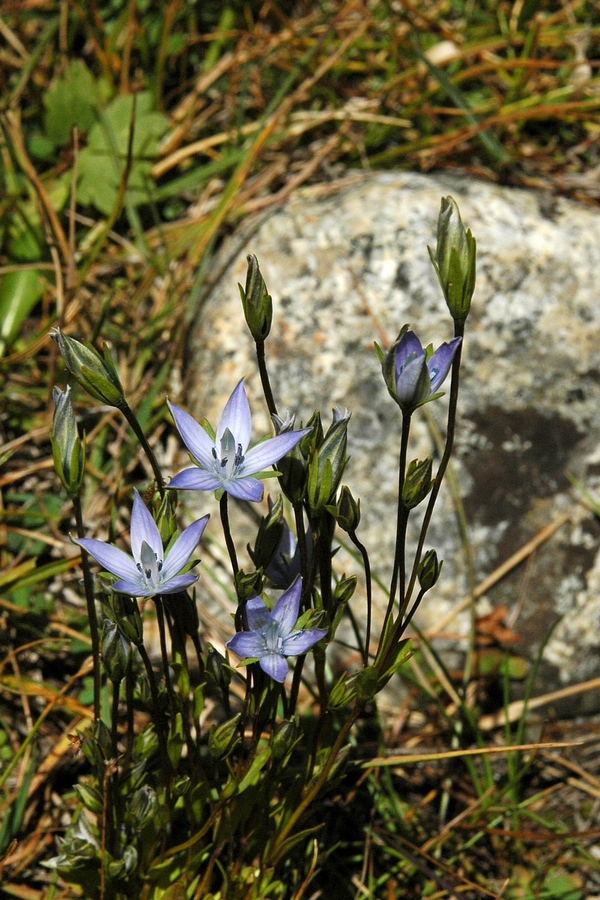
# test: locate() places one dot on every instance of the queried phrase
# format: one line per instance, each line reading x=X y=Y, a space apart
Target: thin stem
x=369 y=588
x=159 y=719
x=160 y=618
x=114 y=720
x=264 y=377
x=227 y=533
x=136 y=427
x=88 y=585
x=399 y=570
x=437 y=481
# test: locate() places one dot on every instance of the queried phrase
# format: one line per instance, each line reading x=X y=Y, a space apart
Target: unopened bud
x=97 y=374
x=257 y=302
x=68 y=449
x=116 y=651
x=347 y=511
x=429 y=570
x=217 y=668
x=270 y=532
x=455 y=260
x=417 y=482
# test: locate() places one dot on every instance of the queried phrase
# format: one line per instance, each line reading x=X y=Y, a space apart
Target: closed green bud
x=270 y=532
x=125 y=613
x=455 y=260
x=116 y=651
x=417 y=482
x=347 y=511
x=248 y=584
x=429 y=570
x=217 y=668
x=143 y=806
x=222 y=738
x=257 y=302
x=68 y=449
x=283 y=738
x=327 y=463
x=97 y=374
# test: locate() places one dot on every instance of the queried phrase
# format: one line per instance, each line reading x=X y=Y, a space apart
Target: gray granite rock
x=352 y=267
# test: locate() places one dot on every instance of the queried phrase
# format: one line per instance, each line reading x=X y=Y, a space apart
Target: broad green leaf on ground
x=102 y=162
x=71 y=100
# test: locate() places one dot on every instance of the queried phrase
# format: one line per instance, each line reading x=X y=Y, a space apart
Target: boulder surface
x=350 y=267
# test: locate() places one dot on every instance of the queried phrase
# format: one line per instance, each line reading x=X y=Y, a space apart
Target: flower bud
x=217 y=668
x=143 y=805
x=68 y=449
x=248 y=584
x=429 y=570
x=97 y=374
x=283 y=738
x=116 y=651
x=347 y=511
x=257 y=302
x=327 y=463
x=417 y=482
x=454 y=260
x=222 y=738
x=270 y=532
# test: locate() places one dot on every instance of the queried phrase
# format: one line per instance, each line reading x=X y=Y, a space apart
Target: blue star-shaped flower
x=225 y=463
x=147 y=571
x=271 y=637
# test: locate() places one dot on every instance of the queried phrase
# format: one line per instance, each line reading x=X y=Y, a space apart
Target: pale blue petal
x=193 y=436
x=183 y=548
x=196 y=480
x=300 y=641
x=143 y=528
x=275 y=666
x=244 y=488
x=134 y=588
x=285 y=611
x=257 y=614
x=440 y=362
x=271 y=451
x=110 y=558
x=178 y=583
x=246 y=643
x=236 y=417
x=408 y=346
x=408 y=381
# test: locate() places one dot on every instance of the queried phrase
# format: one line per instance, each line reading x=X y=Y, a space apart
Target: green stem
x=264 y=377
x=369 y=588
x=88 y=586
x=137 y=430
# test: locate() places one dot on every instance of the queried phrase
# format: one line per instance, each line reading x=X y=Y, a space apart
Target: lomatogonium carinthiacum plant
x=236 y=787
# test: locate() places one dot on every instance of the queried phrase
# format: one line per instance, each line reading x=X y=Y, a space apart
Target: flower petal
x=275 y=666
x=257 y=614
x=407 y=382
x=183 y=548
x=134 y=588
x=244 y=488
x=440 y=362
x=178 y=583
x=285 y=611
x=408 y=345
x=143 y=528
x=236 y=416
x=270 y=451
x=193 y=435
x=196 y=479
x=246 y=643
x=110 y=558
x=300 y=641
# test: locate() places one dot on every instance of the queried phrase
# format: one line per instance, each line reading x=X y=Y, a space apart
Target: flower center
x=272 y=638
x=149 y=566
x=231 y=459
